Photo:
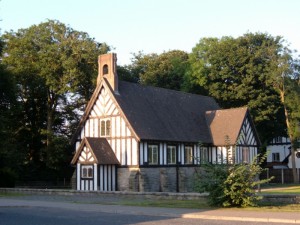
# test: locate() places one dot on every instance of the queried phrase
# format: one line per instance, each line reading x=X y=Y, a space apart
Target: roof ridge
x=166 y=89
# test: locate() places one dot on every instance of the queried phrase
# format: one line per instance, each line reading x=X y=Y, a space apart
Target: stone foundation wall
x=165 y=179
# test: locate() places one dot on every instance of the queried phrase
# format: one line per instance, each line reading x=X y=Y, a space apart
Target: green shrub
x=231 y=185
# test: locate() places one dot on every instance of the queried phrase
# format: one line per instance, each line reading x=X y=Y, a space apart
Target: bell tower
x=107 y=68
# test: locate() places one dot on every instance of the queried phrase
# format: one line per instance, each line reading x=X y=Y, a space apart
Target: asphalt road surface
x=59 y=216
x=82 y=210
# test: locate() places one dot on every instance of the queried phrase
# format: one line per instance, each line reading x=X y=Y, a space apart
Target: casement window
x=105 y=128
x=203 y=154
x=188 y=155
x=152 y=154
x=278 y=140
x=171 y=154
x=276 y=157
x=245 y=155
x=87 y=171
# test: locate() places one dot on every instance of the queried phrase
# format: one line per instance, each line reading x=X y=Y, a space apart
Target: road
x=55 y=210
x=59 y=216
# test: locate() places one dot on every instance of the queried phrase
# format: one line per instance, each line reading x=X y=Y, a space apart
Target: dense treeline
x=48 y=72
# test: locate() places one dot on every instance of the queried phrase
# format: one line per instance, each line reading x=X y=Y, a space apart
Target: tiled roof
x=101 y=150
x=163 y=114
x=226 y=122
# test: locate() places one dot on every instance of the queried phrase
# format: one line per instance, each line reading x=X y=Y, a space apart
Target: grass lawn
x=195 y=204
x=281 y=189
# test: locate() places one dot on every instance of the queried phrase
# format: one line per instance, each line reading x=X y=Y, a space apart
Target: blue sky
x=154 y=26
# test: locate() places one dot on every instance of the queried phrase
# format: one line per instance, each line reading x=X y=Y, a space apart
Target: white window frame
x=153 y=154
x=245 y=155
x=85 y=171
x=171 y=154
x=188 y=155
x=105 y=128
x=276 y=157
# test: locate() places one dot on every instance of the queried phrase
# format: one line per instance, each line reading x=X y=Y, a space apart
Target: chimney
x=107 y=68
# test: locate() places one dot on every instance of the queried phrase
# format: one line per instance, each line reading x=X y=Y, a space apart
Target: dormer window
x=105 y=69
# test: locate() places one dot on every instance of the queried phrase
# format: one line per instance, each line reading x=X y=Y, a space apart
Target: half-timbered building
x=140 y=138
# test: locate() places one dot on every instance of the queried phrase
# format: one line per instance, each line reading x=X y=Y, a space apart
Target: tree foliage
x=236 y=72
x=52 y=74
x=59 y=59
x=231 y=185
x=164 y=70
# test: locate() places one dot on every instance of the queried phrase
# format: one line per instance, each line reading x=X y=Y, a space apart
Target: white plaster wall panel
x=77 y=145
x=113 y=145
x=93 y=113
x=86 y=128
x=141 y=153
x=95 y=110
x=178 y=154
x=128 y=132
x=110 y=106
x=82 y=185
x=182 y=154
x=123 y=149
x=134 y=149
x=118 y=150
x=91 y=127
x=82 y=133
x=96 y=121
x=113 y=127
x=105 y=178
x=101 y=171
x=160 y=147
x=98 y=107
x=123 y=128
x=109 y=178
x=78 y=177
x=145 y=152
x=95 y=177
x=113 y=178
x=224 y=153
x=115 y=112
x=214 y=155
x=196 y=157
x=91 y=185
x=118 y=126
x=165 y=153
x=129 y=151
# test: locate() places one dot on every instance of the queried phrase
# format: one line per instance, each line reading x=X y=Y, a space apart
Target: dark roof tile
x=163 y=114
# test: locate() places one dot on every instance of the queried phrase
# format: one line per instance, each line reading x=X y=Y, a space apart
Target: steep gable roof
x=163 y=114
x=100 y=149
x=226 y=122
x=157 y=113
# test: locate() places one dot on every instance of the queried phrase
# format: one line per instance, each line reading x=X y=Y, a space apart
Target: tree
x=236 y=72
x=286 y=80
x=54 y=69
x=62 y=62
x=10 y=158
x=165 y=70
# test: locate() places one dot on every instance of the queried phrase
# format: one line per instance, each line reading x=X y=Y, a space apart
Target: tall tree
x=62 y=60
x=237 y=72
x=286 y=80
x=164 y=70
